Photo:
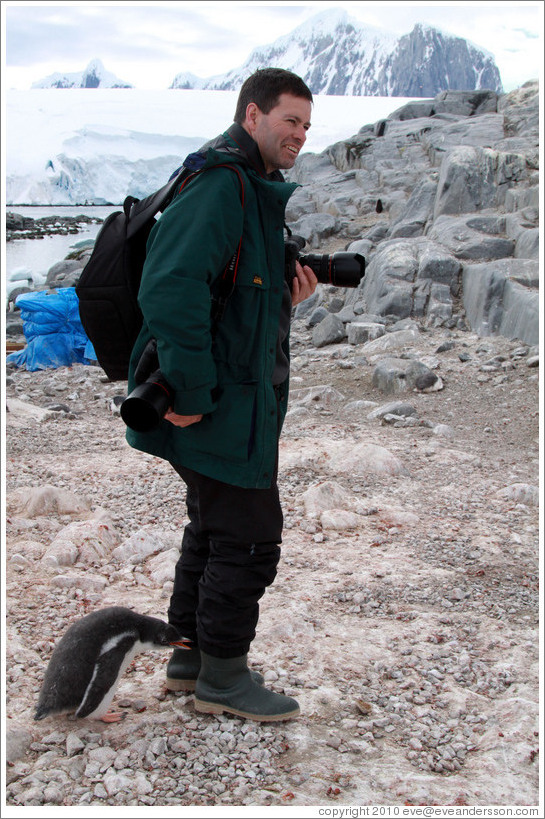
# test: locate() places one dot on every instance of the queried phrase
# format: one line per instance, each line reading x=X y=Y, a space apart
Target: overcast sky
x=148 y=43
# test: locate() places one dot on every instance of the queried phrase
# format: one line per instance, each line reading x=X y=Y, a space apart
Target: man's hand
x=182 y=420
x=304 y=284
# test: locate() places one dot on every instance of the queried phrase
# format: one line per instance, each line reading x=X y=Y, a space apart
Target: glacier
x=95 y=147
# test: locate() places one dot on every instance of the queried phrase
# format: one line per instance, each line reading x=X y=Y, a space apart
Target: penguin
x=428 y=382
x=89 y=659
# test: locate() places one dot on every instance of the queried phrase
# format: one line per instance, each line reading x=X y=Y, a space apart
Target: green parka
x=228 y=377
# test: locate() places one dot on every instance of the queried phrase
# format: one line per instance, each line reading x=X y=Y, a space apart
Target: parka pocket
x=239 y=341
x=228 y=432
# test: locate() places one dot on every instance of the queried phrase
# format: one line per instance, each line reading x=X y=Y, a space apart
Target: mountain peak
x=93 y=76
x=338 y=55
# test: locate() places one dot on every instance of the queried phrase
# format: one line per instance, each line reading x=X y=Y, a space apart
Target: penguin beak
x=181 y=643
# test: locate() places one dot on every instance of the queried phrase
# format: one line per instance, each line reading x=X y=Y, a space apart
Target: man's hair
x=264 y=87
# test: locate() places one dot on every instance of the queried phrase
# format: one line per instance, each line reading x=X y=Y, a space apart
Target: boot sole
x=180 y=685
x=217 y=708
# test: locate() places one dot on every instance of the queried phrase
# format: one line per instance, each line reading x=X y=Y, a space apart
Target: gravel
x=404 y=620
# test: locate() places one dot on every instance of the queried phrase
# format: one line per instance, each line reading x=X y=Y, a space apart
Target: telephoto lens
x=341 y=269
x=145 y=407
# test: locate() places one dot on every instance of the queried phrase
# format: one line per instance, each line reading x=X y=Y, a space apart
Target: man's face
x=282 y=132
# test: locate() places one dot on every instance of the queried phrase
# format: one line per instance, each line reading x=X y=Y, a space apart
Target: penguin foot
x=113 y=716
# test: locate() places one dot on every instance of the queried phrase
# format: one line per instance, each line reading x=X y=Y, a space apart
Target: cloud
x=124 y=31
x=532 y=35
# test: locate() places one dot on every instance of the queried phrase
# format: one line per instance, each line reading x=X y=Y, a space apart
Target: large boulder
x=418 y=210
x=475 y=178
x=409 y=277
x=501 y=297
x=473 y=237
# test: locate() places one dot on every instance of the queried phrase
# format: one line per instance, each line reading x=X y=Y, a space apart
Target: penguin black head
x=160 y=633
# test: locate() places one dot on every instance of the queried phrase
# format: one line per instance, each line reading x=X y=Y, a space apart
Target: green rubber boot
x=183 y=669
x=227 y=685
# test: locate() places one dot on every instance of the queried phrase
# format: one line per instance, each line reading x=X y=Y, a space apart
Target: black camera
x=341 y=269
x=147 y=404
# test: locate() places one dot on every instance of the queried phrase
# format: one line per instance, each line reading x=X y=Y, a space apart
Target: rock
x=499 y=298
x=141 y=545
x=340 y=520
x=46 y=500
x=448 y=168
x=64 y=274
x=399 y=408
x=322 y=395
x=18 y=740
x=315 y=228
x=329 y=331
x=366 y=459
x=397 y=517
x=461 y=103
x=161 y=566
x=87 y=542
x=520 y=493
x=522 y=227
x=317 y=316
x=22 y=413
x=88 y=582
x=410 y=278
x=428 y=381
x=471 y=238
x=443 y=431
x=327 y=496
x=74 y=745
x=307 y=306
x=361 y=246
x=360 y=332
x=476 y=178
x=396 y=375
x=418 y=210
x=299 y=204
x=396 y=340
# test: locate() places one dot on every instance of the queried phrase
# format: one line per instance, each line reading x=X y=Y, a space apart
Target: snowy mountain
x=94 y=76
x=336 y=54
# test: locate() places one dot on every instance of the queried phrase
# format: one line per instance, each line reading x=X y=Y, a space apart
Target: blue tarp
x=53 y=330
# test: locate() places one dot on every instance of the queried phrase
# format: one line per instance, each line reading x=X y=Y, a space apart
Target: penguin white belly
x=113 y=673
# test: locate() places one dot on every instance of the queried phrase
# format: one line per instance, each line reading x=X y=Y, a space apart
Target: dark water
x=38 y=255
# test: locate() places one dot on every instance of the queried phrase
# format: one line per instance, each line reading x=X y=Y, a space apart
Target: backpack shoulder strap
x=140 y=211
x=229 y=276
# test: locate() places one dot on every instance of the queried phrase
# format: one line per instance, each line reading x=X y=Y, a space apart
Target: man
x=230 y=384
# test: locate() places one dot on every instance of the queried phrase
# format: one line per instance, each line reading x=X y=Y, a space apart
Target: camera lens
x=340 y=269
x=146 y=406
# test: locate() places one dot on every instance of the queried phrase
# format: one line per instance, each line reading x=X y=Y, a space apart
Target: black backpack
x=108 y=286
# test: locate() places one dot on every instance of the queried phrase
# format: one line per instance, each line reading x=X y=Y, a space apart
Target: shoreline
x=19 y=226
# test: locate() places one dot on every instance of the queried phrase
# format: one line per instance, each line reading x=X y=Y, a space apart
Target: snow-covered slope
x=336 y=54
x=94 y=76
x=98 y=148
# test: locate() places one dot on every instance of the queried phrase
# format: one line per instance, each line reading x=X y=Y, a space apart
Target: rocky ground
x=404 y=617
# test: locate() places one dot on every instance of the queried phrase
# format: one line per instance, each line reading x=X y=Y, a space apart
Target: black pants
x=229 y=554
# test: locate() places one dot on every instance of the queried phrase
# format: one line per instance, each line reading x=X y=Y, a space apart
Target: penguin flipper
x=107 y=671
